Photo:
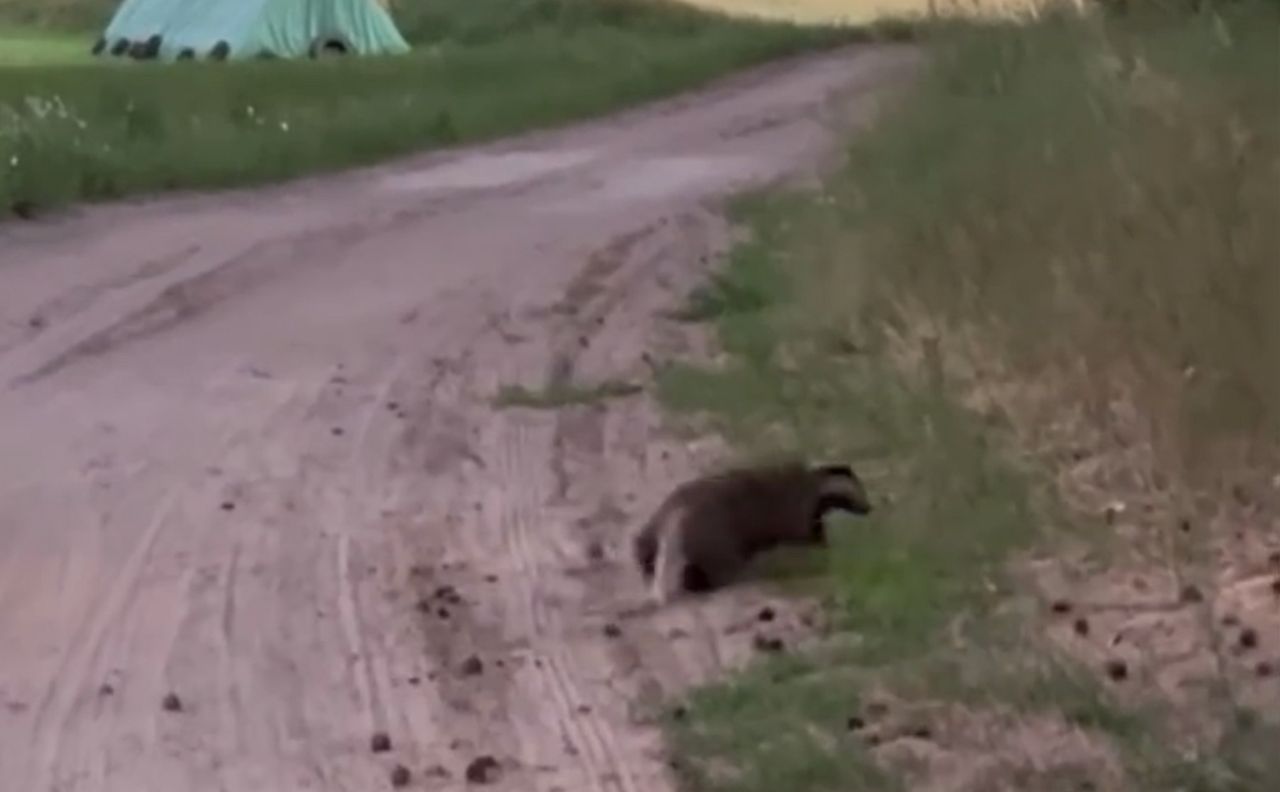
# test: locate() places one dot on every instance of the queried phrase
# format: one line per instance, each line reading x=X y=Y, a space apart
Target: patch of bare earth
x=1170 y=593
x=958 y=749
x=1180 y=604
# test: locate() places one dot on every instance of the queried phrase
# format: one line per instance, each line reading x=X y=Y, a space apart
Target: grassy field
x=33 y=47
x=1039 y=308
x=481 y=68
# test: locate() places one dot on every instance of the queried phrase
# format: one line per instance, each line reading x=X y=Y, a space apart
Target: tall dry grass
x=1084 y=215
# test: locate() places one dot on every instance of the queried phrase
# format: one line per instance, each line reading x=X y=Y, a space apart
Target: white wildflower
x=284 y=126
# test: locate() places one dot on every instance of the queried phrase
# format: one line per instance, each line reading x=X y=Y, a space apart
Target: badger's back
x=751 y=509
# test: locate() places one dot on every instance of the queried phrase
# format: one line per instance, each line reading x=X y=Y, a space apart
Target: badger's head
x=838 y=488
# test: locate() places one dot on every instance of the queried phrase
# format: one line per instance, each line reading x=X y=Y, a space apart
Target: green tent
x=220 y=29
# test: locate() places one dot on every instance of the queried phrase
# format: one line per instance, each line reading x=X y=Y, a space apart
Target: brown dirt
x=252 y=460
x=991 y=751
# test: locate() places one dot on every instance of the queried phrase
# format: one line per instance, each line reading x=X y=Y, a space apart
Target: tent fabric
x=283 y=28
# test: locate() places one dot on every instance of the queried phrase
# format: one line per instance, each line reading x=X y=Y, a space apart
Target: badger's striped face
x=840 y=488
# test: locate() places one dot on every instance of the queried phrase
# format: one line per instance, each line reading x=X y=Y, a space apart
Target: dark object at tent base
x=120 y=47
x=138 y=50
x=329 y=47
x=99 y=46
x=186 y=53
x=151 y=49
x=287 y=28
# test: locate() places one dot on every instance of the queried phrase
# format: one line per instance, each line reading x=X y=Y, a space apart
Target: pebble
x=1249 y=638
x=483 y=770
x=766 y=644
x=1118 y=670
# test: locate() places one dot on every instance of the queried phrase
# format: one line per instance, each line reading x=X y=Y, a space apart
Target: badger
x=707 y=529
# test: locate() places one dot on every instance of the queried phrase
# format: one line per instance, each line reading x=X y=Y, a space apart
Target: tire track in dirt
x=559 y=596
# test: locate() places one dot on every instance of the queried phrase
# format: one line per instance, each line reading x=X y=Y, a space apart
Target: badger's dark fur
x=707 y=529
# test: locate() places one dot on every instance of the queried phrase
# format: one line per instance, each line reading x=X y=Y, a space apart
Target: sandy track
x=251 y=457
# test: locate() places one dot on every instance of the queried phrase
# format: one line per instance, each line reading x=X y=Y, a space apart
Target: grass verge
x=1038 y=307
x=479 y=71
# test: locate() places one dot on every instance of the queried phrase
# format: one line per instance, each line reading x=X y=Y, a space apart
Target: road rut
x=254 y=458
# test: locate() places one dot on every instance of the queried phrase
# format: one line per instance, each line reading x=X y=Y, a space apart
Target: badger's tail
x=659 y=553
x=668 y=567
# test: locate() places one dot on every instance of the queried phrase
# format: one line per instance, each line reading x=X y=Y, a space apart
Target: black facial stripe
x=842 y=492
x=836 y=471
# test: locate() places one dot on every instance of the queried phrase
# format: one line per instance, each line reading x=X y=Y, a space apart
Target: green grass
x=1084 y=204
x=26 y=47
x=564 y=394
x=479 y=71
x=895 y=579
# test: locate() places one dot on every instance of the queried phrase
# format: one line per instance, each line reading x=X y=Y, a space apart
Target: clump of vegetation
x=479 y=70
x=564 y=394
x=1040 y=306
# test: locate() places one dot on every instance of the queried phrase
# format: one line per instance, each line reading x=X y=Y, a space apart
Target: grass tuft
x=560 y=395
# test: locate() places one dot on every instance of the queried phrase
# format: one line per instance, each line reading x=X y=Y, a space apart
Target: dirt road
x=257 y=501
